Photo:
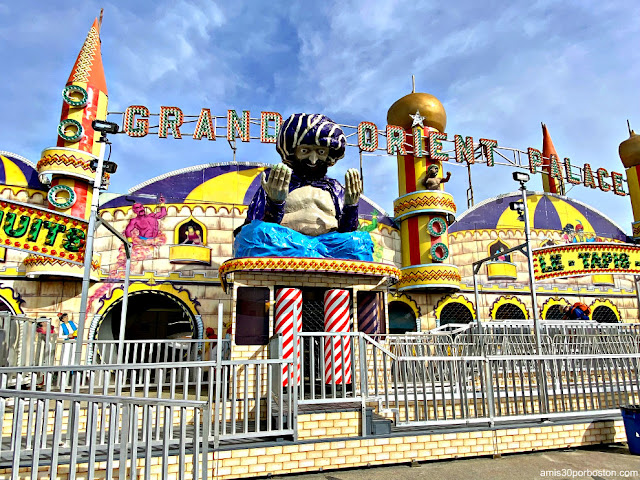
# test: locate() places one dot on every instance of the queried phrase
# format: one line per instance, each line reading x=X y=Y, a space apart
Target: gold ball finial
x=428 y=106
x=629 y=149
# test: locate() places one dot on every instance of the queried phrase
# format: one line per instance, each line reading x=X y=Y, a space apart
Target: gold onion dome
x=428 y=106
x=629 y=150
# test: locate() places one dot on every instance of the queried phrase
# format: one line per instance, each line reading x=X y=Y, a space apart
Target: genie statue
x=298 y=210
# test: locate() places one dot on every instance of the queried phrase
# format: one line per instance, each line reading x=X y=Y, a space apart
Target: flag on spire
x=552 y=179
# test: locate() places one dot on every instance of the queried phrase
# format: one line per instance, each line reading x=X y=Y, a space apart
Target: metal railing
x=129 y=435
x=441 y=390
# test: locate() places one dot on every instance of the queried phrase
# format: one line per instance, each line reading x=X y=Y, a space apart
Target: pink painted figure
x=193 y=237
x=145 y=223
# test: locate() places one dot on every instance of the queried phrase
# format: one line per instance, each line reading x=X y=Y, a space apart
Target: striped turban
x=303 y=129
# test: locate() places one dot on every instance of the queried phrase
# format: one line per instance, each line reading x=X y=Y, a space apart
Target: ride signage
x=233 y=125
x=575 y=259
x=42 y=232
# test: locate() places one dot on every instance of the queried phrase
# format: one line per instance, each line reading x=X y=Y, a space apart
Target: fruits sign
x=42 y=232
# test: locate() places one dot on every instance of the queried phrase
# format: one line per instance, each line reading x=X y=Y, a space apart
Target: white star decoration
x=417 y=119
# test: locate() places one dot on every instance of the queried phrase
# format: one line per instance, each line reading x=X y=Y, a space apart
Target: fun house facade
x=216 y=234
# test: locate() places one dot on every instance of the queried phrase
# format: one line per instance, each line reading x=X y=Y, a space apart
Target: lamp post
x=521 y=206
x=103 y=127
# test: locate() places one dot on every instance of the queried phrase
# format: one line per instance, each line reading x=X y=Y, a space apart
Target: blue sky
x=499 y=67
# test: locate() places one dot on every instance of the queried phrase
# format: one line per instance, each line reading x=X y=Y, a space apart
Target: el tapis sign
x=43 y=232
x=585 y=259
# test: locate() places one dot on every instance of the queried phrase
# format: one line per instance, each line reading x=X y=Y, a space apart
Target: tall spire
x=552 y=182
x=88 y=67
x=84 y=97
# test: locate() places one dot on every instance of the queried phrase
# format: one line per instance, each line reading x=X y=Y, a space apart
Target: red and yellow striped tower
x=68 y=163
x=424 y=215
x=630 y=155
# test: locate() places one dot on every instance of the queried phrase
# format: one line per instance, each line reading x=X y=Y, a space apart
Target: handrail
x=80 y=397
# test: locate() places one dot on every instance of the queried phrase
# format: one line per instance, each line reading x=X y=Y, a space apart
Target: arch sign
x=232 y=125
x=575 y=259
x=42 y=232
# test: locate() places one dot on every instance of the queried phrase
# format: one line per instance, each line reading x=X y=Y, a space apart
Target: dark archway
x=510 y=311
x=604 y=314
x=455 y=312
x=150 y=316
x=401 y=318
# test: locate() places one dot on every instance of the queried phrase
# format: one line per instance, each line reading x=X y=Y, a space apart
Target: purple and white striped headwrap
x=315 y=129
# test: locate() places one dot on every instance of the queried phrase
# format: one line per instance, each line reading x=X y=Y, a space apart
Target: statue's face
x=312 y=161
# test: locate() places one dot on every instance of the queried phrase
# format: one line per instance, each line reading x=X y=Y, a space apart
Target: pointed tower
x=552 y=180
x=629 y=151
x=424 y=215
x=84 y=99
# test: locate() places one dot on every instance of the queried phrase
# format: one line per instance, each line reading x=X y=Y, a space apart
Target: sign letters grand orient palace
x=171 y=121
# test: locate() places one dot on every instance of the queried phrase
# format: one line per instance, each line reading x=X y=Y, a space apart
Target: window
x=252 y=316
x=497 y=247
x=555 y=312
x=371 y=313
x=604 y=314
x=190 y=232
x=401 y=318
x=455 y=312
x=509 y=311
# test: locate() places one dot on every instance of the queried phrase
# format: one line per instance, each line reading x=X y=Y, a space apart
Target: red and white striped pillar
x=286 y=300
x=337 y=349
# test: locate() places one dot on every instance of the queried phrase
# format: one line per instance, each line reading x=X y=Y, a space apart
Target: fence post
x=489 y=387
x=541 y=378
x=218 y=379
x=296 y=361
x=364 y=380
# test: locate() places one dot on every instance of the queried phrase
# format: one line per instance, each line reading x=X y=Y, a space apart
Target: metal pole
x=125 y=303
x=637 y=282
x=532 y=281
x=88 y=254
x=476 y=294
x=294 y=391
x=217 y=401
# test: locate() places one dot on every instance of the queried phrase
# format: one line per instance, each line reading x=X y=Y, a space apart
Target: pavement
x=600 y=462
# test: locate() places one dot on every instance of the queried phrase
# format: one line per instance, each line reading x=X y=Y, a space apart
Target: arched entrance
x=160 y=313
x=150 y=315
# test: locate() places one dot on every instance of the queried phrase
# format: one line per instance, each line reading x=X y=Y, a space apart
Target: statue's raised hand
x=352 y=187
x=277 y=185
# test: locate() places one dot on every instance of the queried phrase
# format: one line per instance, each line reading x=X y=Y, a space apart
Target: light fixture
x=521 y=177
x=103 y=126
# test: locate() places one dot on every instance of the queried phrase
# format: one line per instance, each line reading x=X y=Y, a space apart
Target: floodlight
x=517 y=206
x=104 y=127
x=521 y=177
x=107 y=166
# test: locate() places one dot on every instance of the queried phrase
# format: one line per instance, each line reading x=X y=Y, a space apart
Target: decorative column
x=337 y=349
x=69 y=163
x=286 y=300
x=369 y=305
x=630 y=155
x=423 y=209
